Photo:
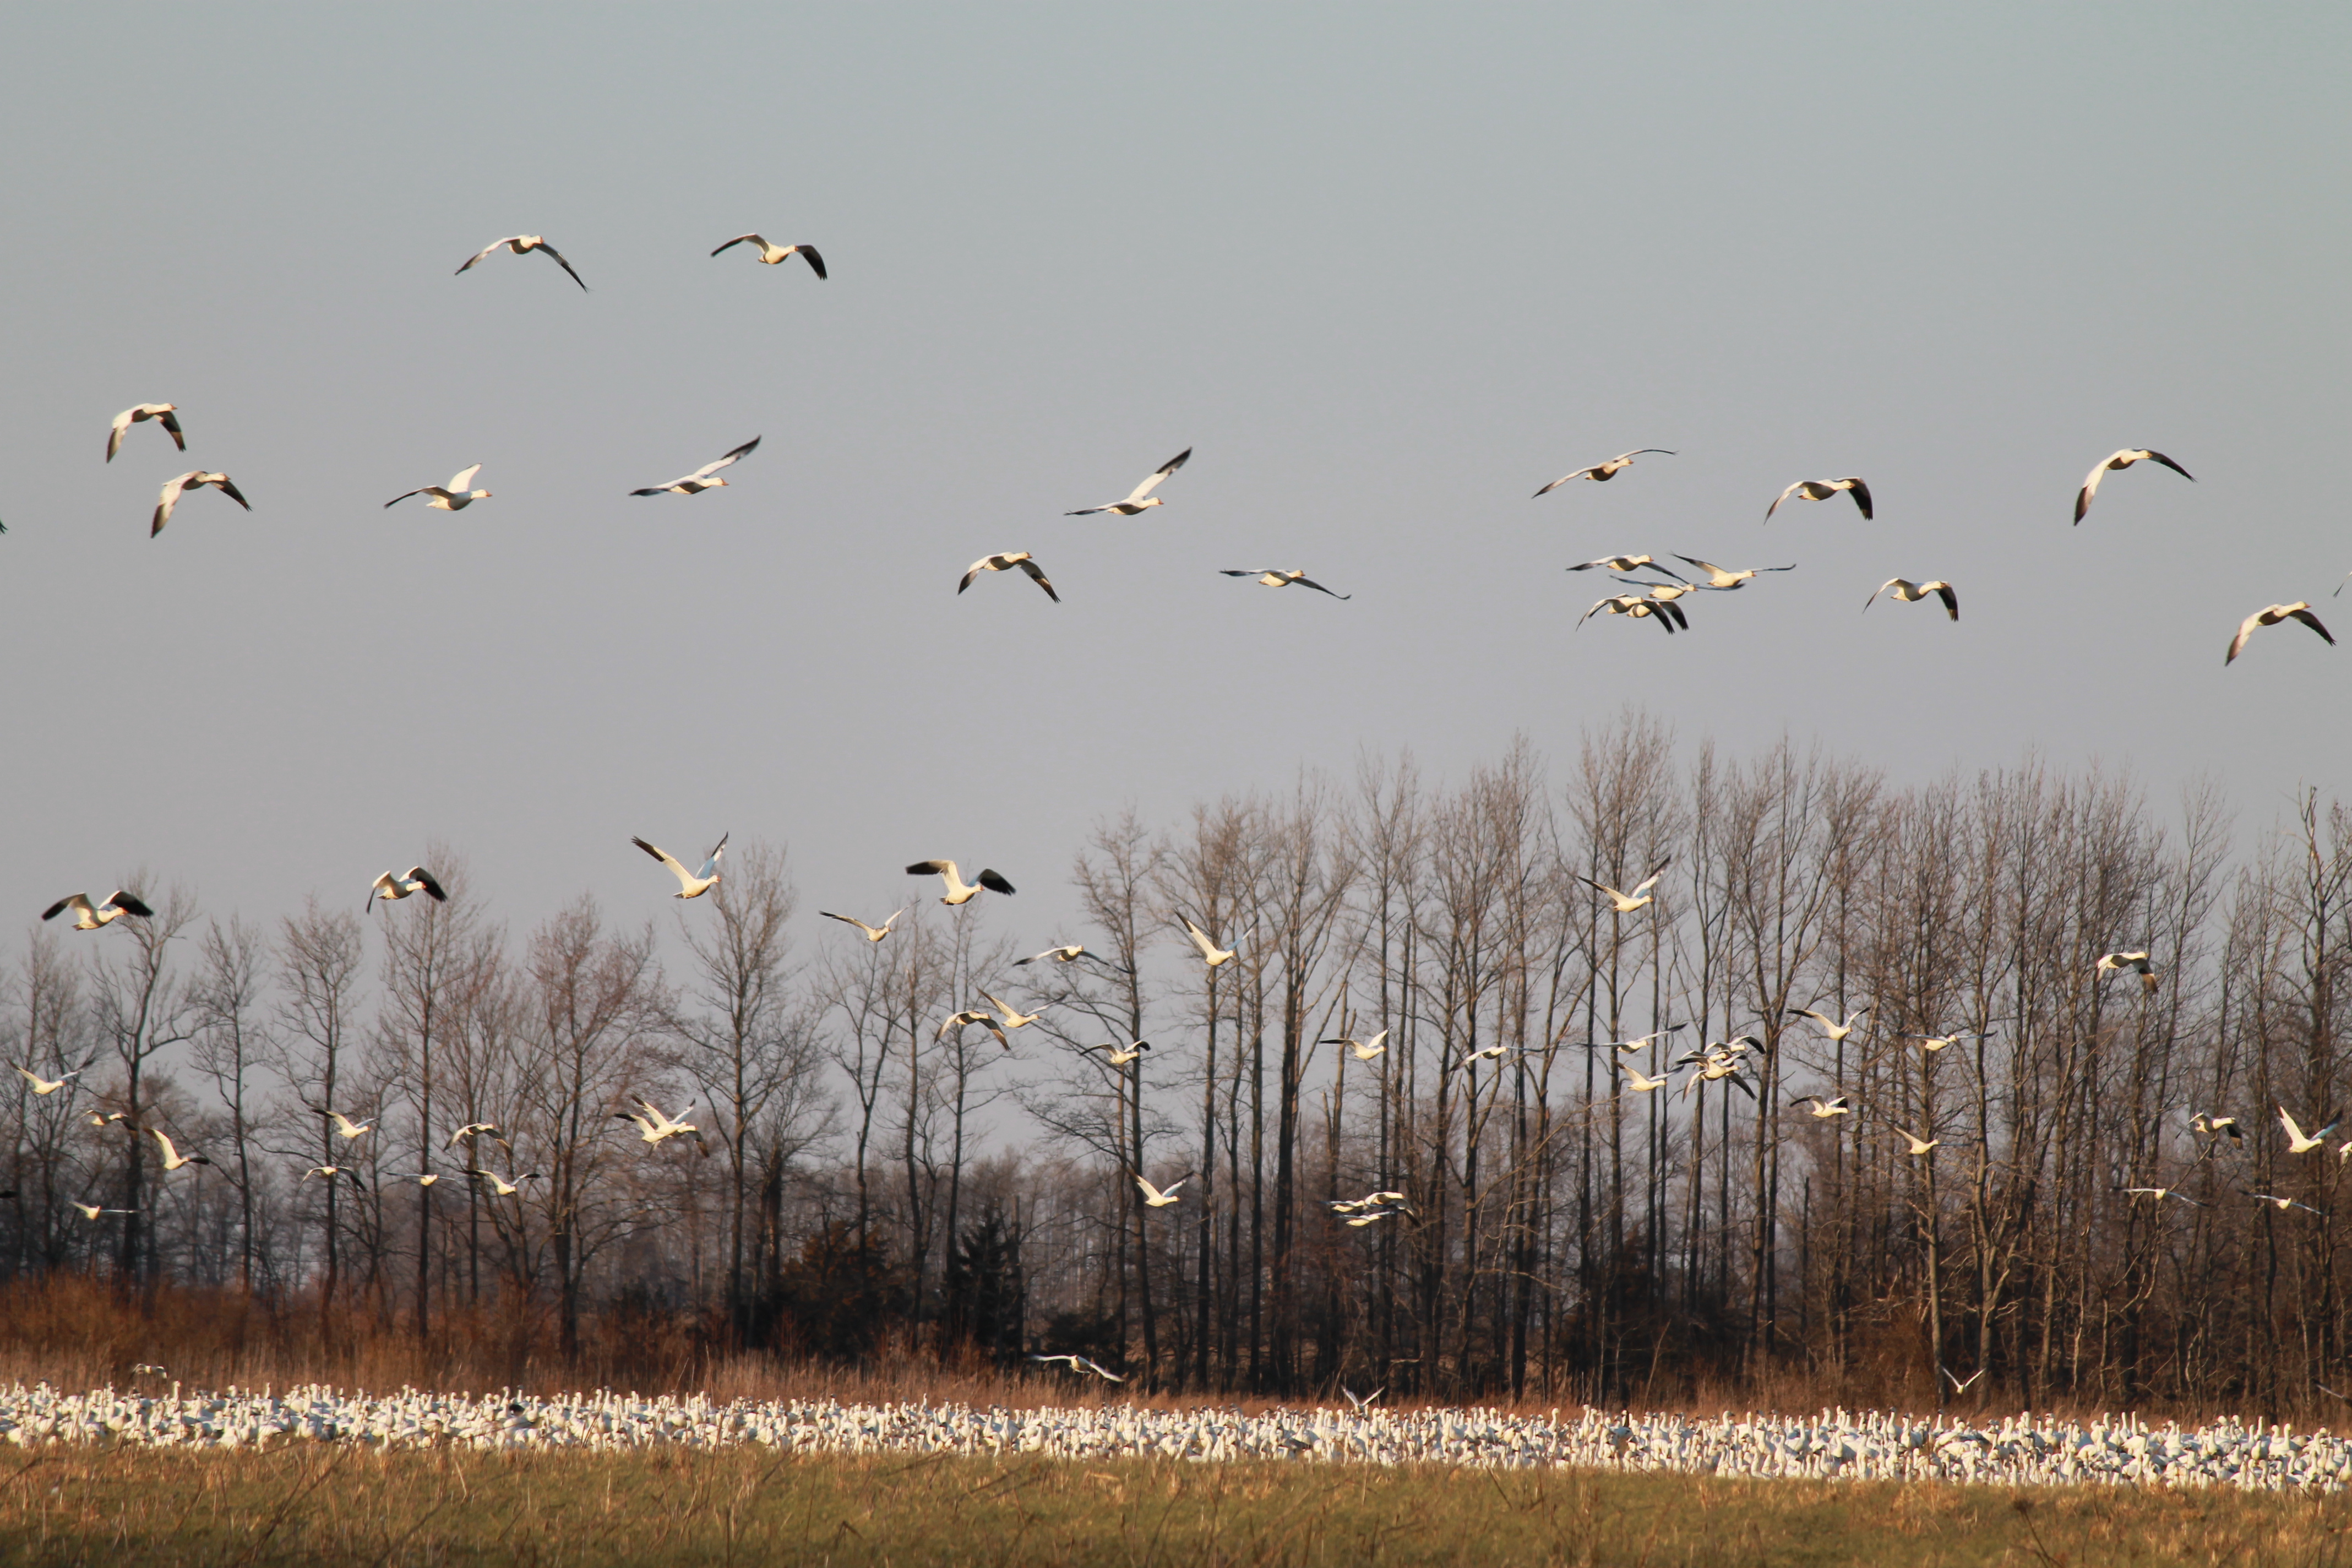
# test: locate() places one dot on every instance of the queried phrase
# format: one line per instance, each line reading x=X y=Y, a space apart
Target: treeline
x=1564 y=1232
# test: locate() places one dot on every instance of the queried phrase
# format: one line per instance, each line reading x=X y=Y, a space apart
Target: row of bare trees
x=1956 y=1196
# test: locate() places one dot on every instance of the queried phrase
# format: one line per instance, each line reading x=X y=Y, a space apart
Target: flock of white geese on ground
x=1657 y=601
x=1830 y=1445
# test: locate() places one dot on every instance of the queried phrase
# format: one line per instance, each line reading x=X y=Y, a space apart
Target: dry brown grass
x=342 y=1506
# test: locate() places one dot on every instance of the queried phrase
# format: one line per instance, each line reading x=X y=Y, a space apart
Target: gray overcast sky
x=1388 y=270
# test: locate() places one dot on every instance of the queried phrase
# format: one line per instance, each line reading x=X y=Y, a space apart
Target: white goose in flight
x=1821 y=490
x=173 y=1158
x=958 y=890
x=1627 y=903
x=1160 y=1197
x=502 y=1187
x=1068 y=952
x=1120 y=1056
x=1640 y=1082
x=701 y=478
x=1823 y=1108
x=2298 y=1141
x=772 y=254
x=1012 y=1018
x=1628 y=563
x=399 y=884
x=194 y=480
x=2283 y=1203
x=1604 y=472
x=2160 y=1194
x=691 y=884
x=522 y=245
x=2137 y=963
x=89 y=917
x=163 y=414
x=92 y=1211
x=1634 y=605
x=873 y=933
x=1080 y=1364
x=349 y=1129
x=1211 y=954
x=1006 y=561
x=1724 y=577
x=455 y=496
x=1364 y=1050
x=653 y=1127
x=2272 y=616
x=1278 y=577
x=984 y=1018
x=1911 y=592
x=43 y=1085
x=1140 y=496
x=1836 y=1031
x=1920 y=1146
x=2121 y=459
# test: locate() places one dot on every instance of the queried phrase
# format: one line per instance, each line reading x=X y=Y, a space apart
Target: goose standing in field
x=455 y=496
x=522 y=245
x=1627 y=903
x=2121 y=459
x=2136 y=962
x=1119 y=1055
x=1160 y=1197
x=1634 y=605
x=502 y=1187
x=1836 y=1031
x=772 y=254
x=1277 y=577
x=1080 y=1365
x=173 y=1158
x=399 y=884
x=1211 y=954
x=1724 y=578
x=349 y=1129
x=1600 y=473
x=958 y=890
x=1365 y=1050
x=1140 y=496
x=92 y=1211
x=985 y=1019
x=89 y=917
x=1627 y=564
x=2270 y=616
x=2299 y=1141
x=1006 y=561
x=164 y=414
x=1918 y=1146
x=691 y=884
x=701 y=478
x=1911 y=592
x=43 y=1085
x=653 y=1127
x=2160 y=1194
x=1823 y=1108
x=873 y=933
x=194 y=480
x=1821 y=490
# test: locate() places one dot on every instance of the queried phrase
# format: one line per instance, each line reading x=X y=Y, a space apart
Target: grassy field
x=308 y=1505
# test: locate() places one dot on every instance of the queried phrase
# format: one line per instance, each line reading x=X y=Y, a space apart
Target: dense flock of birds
x=2021 y=1450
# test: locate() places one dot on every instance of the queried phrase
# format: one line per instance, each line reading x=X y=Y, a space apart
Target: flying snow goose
x=1911 y=592
x=1119 y=1055
x=1640 y=1082
x=1065 y=954
x=1661 y=593
x=1140 y=496
x=1724 y=577
x=653 y=1127
x=173 y=1158
x=1627 y=903
x=163 y=414
x=958 y=890
x=1823 y=1108
x=2271 y=617
x=772 y=254
x=1938 y=1042
x=89 y=917
x=347 y=1127
x=1211 y=954
x=1634 y=605
x=1600 y=473
x=2121 y=459
x=1369 y=1200
x=1485 y=1054
x=1920 y=1146
x=1278 y=577
x=455 y=496
x=1012 y=1018
x=2216 y=1127
x=873 y=933
x=331 y=1173
x=701 y=480
x=399 y=884
x=1836 y=1031
x=473 y=1129
x=2136 y=962
x=1080 y=1365
x=2283 y=1203
x=1362 y=1402
x=1365 y=1050
x=194 y=480
x=1373 y=1216
x=106 y=1117
x=502 y=1187
x=522 y=245
x=422 y=1178
x=92 y=1211
x=2160 y=1194
x=985 y=1019
x=1160 y=1197
x=691 y=884
x=1638 y=1042
x=1821 y=490
x=42 y=1086
x=1627 y=564
x=1006 y=561
x=1961 y=1385
x=2299 y=1141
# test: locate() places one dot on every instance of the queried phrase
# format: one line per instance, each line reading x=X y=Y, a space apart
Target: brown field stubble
x=310 y=1504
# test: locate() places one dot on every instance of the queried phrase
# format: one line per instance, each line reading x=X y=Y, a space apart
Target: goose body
x=523 y=244
x=772 y=254
x=399 y=884
x=1822 y=489
x=958 y=890
x=2117 y=461
x=691 y=884
x=1911 y=592
x=1007 y=562
x=1627 y=903
x=1211 y=954
x=1278 y=577
x=873 y=933
x=702 y=477
x=164 y=414
x=89 y=917
x=2270 y=616
x=455 y=496
x=194 y=480
x=1140 y=496
x=1602 y=472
